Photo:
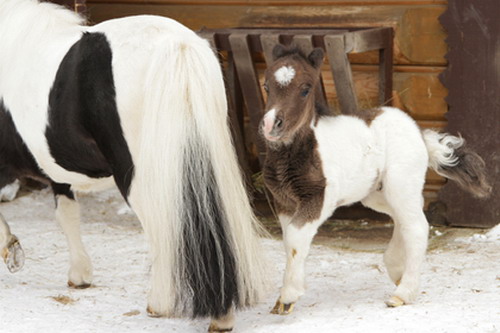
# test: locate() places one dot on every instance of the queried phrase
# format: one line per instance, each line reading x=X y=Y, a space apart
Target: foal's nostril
x=278 y=123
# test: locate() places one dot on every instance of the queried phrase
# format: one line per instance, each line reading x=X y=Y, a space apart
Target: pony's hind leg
x=68 y=217
x=222 y=324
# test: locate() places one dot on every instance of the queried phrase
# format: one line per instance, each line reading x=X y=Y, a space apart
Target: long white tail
x=188 y=190
x=450 y=158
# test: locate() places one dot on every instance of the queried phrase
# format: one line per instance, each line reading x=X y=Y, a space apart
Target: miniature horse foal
x=316 y=163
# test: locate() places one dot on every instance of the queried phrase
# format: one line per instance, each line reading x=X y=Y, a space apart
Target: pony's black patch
x=62 y=189
x=210 y=265
x=84 y=132
x=16 y=160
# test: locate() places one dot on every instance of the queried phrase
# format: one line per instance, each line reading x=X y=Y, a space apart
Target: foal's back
x=356 y=151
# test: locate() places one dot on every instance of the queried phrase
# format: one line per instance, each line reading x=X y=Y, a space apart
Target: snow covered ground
x=346 y=289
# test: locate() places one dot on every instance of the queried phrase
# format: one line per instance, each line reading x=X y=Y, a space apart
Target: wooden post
x=250 y=87
x=342 y=74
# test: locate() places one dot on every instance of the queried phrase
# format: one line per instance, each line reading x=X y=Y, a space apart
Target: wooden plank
x=342 y=75
x=419 y=38
x=268 y=42
x=280 y=2
x=385 y=73
x=250 y=87
x=365 y=40
x=305 y=43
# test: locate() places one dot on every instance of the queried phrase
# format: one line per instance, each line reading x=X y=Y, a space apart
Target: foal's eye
x=305 y=92
x=266 y=88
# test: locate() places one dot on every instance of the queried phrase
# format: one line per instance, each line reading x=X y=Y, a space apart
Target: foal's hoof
x=282 y=309
x=394 y=302
x=79 y=286
x=13 y=255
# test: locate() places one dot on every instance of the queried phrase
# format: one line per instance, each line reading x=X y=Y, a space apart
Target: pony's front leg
x=10 y=248
x=297 y=236
x=68 y=217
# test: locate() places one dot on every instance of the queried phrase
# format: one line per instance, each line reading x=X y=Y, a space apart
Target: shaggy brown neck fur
x=294 y=175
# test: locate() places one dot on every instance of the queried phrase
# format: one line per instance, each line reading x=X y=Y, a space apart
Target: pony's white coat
x=5 y=234
x=68 y=217
x=284 y=75
x=9 y=192
x=160 y=126
x=30 y=59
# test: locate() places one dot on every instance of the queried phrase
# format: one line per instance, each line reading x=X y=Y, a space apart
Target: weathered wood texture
x=473 y=80
x=419 y=37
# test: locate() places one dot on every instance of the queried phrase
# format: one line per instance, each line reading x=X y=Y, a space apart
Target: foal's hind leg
x=394 y=256
x=411 y=232
x=68 y=216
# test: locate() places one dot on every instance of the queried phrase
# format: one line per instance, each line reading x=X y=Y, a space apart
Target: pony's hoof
x=215 y=329
x=83 y=285
x=394 y=302
x=152 y=313
x=13 y=255
x=282 y=309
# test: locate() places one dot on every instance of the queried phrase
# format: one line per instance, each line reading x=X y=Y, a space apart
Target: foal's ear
x=278 y=51
x=316 y=57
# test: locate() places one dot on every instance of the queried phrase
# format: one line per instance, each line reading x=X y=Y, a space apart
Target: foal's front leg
x=298 y=233
x=68 y=217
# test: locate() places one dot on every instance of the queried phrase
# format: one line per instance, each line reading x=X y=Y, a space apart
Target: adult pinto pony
x=140 y=102
x=317 y=162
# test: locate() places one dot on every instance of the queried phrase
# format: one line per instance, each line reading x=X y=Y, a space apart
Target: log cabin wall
x=419 y=43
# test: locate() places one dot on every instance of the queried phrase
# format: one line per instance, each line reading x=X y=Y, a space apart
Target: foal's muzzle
x=271 y=126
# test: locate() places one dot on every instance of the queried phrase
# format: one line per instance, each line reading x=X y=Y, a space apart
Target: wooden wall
x=419 y=54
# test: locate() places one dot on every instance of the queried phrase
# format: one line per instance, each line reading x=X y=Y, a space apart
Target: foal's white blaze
x=269 y=119
x=284 y=75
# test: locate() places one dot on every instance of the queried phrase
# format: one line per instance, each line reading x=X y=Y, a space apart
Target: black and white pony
x=138 y=102
x=316 y=162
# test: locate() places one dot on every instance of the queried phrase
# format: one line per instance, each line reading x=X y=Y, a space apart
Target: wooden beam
x=419 y=37
x=250 y=86
x=268 y=42
x=342 y=74
x=280 y=2
x=386 y=71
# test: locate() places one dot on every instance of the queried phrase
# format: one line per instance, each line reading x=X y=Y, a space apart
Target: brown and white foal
x=316 y=163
